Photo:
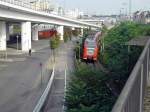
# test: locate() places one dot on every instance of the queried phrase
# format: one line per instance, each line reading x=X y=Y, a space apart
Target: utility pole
x=130 y=8
x=64 y=6
x=41 y=67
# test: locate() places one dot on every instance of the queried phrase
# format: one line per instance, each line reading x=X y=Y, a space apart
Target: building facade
x=142 y=17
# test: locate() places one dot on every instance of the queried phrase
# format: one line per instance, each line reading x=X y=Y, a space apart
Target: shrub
x=118 y=59
x=76 y=32
x=54 y=41
x=88 y=92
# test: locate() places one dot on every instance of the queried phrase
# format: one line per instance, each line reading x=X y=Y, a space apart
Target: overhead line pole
x=130 y=8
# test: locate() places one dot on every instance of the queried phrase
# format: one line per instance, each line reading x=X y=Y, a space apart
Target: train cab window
x=91 y=44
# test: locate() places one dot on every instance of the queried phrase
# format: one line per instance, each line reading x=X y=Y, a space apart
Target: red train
x=91 y=46
x=46 y=34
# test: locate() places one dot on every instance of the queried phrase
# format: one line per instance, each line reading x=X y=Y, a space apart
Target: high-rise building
x=46 y=5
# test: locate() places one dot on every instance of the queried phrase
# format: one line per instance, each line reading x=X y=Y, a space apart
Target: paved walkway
x=36 y=45
x=12 y=54
x=64 y=61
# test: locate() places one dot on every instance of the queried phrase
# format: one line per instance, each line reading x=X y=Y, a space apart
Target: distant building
x=54 y=8
x=75 y=13
x=98 y=22
x=142 y=17
x=45 y=5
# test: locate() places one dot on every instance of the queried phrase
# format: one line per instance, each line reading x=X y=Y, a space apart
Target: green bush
x=76 y=32
x=66 y=37
x=88 y=92
x=54 y=41
x=67 y=34
x=79 y=50
x=88 y=89
x=118 y=58
x=86 y=32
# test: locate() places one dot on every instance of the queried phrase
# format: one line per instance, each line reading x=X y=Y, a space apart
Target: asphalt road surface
x=20 y=82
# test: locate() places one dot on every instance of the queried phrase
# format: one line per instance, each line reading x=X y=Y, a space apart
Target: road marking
x=59 y=78
x=3 y=66
x=63 y=108
x=19 y=59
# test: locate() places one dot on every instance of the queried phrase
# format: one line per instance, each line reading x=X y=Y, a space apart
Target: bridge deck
x=147 y=101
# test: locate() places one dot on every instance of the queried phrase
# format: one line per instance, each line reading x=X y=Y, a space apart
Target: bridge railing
x=29 y=4
x=132 y=96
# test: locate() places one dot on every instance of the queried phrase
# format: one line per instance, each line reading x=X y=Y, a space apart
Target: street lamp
x=125 y=7
x=41 y=67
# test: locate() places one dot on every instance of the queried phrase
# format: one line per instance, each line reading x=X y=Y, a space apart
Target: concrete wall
x=35 y=30
x=60 y=30
x=7 y=30
x=26 y=36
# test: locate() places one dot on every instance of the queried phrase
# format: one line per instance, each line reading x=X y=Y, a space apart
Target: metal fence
x=28 y=4
x=131 y=98
x=44 y=96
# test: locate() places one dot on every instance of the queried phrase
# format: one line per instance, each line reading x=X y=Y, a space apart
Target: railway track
x=95 y=65
x=98 y=66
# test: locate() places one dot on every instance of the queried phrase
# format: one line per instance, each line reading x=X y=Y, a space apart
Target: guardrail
x=30 y=5
x=42 y=100
x=132 y=96
x=38 y=9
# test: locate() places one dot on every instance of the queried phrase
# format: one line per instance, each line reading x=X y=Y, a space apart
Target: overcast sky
x=105 y=6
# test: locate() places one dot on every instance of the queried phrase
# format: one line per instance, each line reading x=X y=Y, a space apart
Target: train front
x=90 y=50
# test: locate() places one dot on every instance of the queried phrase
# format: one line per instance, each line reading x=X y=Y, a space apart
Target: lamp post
x=41 y=67
x=125 y=7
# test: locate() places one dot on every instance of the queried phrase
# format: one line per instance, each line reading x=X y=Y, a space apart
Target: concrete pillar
x=7 y=34
x=35 y=31
x=26 y=36
x=60 y=30
x=82 y=31
x=2 y=36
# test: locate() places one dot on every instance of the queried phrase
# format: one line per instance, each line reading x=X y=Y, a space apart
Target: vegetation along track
x=95 y=65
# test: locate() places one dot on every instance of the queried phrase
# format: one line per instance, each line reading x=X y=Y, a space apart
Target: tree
x=76 y=32
x=67 y=34
x=54 y=43
x=88 y=92
x=118 y=59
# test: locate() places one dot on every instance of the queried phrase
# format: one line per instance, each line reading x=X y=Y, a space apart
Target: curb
x=6 y=60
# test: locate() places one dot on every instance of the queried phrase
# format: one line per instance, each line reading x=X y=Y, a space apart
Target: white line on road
x=63 y=108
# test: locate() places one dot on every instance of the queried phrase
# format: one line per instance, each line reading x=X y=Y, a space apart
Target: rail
x=29 y=4
x=132 y=96
x=42 y=100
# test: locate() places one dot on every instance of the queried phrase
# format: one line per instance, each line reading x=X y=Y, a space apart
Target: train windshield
x=91 y=45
